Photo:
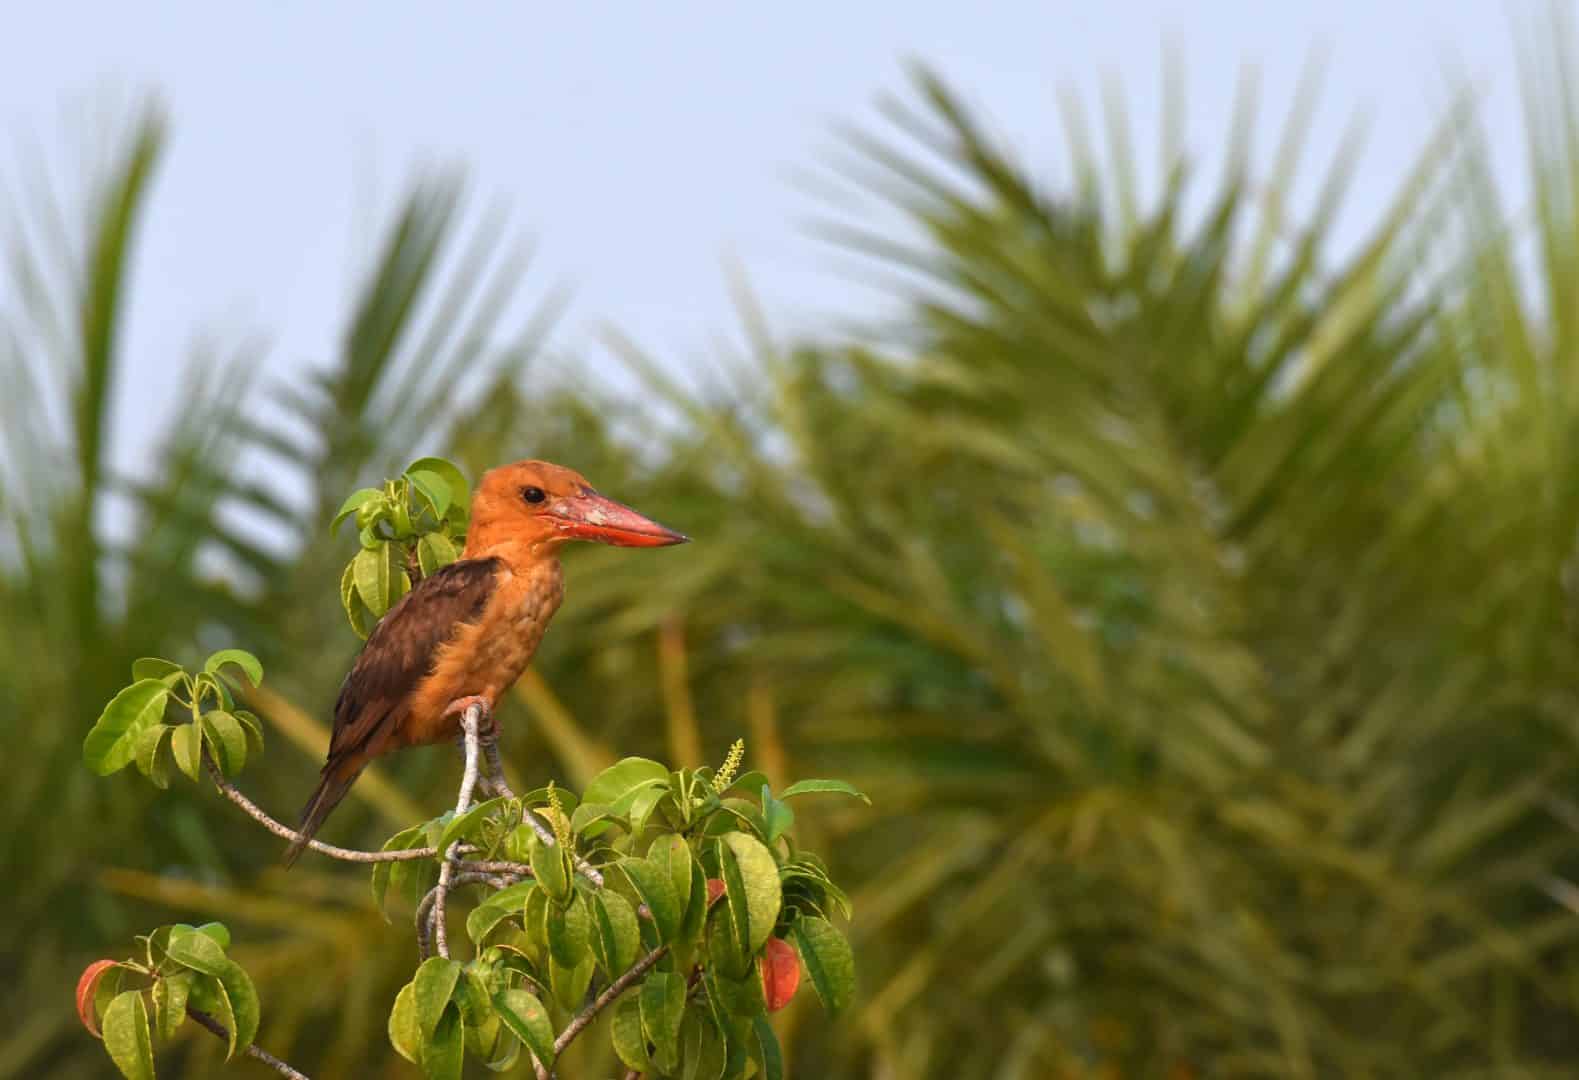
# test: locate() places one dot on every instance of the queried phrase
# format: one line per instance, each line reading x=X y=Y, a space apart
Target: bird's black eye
x=533 y=494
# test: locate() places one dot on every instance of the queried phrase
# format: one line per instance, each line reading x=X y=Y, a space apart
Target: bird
x=465 y=633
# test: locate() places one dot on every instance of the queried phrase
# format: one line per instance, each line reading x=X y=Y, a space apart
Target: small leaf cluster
x=168 y=713
x=130 y=1004
x=698 y=867
x=408 y=528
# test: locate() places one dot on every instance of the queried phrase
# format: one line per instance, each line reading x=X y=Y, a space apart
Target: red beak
x=593 y=517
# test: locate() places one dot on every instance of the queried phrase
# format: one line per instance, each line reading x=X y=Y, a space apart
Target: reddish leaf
x=715 y=889
x=87 y=986
x=780 y=973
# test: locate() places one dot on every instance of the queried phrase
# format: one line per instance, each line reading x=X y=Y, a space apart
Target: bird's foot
x=488 y=737
x=458 y=707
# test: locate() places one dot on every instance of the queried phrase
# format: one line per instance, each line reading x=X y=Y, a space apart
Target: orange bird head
x=541 y=505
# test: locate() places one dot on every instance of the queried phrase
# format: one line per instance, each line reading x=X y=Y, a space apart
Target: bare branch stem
x=258 y=814
x=584 y=1018
x=471 y=722
x=253 y=1050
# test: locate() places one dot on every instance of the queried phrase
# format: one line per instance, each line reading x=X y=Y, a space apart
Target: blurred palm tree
x=1196 y=602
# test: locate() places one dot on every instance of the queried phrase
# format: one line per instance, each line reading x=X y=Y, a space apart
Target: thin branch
x=256 y=813
x=253 y=1050
x=425 y=908
x=493 y=779
x=471 y=721
x=613 y=990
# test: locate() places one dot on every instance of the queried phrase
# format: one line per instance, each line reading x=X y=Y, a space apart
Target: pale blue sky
x=640 y=143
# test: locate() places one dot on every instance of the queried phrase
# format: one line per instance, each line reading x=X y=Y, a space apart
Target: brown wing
x=403 y=647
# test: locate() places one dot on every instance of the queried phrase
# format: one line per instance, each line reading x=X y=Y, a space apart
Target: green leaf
x=150 y=761
x=657 y=892
x=405 y=1035
x=229 y=740
x=126 y=1036
x=696 y=909
x=623 y=778
x=355 y=610
x=828 y=960
x=672 y=855
x=187 y=744
x=702 y=1054
x=570 y=983
x=768 y=1044
x=216 y=932
x=498 y=907
x=777 y=816
x=153 y=667
x=444 y=1050
x=434 y=552
x=241 y=658
x=254 y=730
x=466 y=826
x=433 y=488
x=758 y=883
x=434 y=985
x=169 y=997
x=454 y=479
x=352 y=504
x=814 y=787
x=630 y=1041
x=201 y=950
x=617 y=934
x=525 y=1015
x=376 y=571
x=662 y=1009
x=112 y=742
x=551 y=869
x=383 y=871
x=569 y=931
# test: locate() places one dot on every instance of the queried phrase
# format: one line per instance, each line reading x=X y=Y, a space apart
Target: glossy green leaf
x=757 y=886
x=662 y=1009
x=454 y=479
x=569 y=984
x=383 y=872
x=227 y=738
x=433 y=489
x=617 y=935
x=435 y=551
x=169 y=997
x=240 y=658
x=525 y=1015
x=466 y=826
x=375 y=570
x=552 y=870
x=254 y=729
x=630 y=1041
x=569 y=931
x=405 y=1034
x=623 y=779
x=443 y=1053
x=187 y=746
x=355 y=610
x=153 y=667
x=777 y=817
x=771 y=1057
x=815 y=787
x=672 y=855
x=433 y=986
x=652 y=883
x=702 y=1054
x=486 y=916
x=152 y=762
x=352 y=504
x=126 y=1036
x=112 y=742
x=828 y=960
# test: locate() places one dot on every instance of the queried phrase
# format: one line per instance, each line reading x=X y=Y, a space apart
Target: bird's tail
x=336 y=780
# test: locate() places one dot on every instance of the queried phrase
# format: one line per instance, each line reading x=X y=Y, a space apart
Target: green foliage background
x=1198 y=607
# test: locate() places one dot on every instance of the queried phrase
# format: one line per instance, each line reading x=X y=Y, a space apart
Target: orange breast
x=486 y=657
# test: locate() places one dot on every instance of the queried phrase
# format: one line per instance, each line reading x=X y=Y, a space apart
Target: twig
x=470 y=722
x=425 y=908
x=493 y=780
x=601 y=1002
x=252 y=1050
x=256 y=813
